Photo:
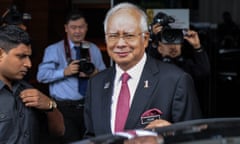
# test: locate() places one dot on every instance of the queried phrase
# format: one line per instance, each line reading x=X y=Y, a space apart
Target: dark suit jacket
x=170 y=90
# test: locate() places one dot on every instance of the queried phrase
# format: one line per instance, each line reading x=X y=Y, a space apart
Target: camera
x=85 y=64
x=13 y=16
x=168 y=35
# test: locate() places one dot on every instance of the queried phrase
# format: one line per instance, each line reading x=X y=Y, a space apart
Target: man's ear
x=146 y=40
x=2 y=51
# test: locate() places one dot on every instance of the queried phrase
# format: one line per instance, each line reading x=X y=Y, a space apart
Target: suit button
x=21 y=114
x=2 y=116
x=26 y=134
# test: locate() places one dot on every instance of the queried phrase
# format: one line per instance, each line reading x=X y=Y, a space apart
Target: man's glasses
x=128 y=37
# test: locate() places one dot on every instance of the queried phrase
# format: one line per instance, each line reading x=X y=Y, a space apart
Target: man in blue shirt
x=62 y=69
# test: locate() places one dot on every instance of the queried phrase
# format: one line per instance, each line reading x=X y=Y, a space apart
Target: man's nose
x=28 y=63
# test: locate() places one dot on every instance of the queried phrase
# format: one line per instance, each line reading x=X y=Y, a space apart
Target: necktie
x=122 y=104
x=82 y=83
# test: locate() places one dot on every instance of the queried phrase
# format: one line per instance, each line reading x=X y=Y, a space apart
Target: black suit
x=169 y=89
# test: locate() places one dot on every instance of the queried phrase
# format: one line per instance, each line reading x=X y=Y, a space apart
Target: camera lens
x=172 y=36
x=86 y=67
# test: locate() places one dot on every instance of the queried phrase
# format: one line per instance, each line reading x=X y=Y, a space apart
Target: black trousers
x=72 y=112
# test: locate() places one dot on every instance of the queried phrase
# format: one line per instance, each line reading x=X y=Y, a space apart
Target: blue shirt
x=51 y=70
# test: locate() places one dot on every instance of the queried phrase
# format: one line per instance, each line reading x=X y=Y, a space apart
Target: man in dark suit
x=160 y=93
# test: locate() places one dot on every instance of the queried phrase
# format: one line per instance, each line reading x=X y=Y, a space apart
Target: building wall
x=211 y=10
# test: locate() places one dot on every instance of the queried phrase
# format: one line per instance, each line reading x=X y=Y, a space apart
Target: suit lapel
x=143 y=93
x=107 y=84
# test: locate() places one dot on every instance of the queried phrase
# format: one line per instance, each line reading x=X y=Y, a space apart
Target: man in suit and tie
x=157 y=93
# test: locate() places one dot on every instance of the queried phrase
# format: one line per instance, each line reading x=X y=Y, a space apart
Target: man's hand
x=192 y=37
x=34 y=98
x=158 y=123
x=72 y=68
x=156 y=28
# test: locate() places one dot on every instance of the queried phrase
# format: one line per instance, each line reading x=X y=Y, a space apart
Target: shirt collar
x=71 y=44
x=134 y=71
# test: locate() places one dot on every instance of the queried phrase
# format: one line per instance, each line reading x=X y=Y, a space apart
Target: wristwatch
x=52 y=105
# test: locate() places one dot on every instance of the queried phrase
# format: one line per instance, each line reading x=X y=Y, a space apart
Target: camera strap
x=84 y=52
x=67 y=49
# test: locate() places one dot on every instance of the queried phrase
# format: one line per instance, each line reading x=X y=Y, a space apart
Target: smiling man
x=156 y=94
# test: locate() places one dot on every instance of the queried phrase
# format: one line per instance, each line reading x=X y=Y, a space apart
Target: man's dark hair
x=11 y=36
x=13 y=16
x=74 y=15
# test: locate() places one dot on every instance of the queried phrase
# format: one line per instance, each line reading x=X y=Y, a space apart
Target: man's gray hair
x=127 y=5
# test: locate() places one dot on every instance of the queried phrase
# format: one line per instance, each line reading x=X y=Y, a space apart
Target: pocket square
x=150 y=115
x=152 y=112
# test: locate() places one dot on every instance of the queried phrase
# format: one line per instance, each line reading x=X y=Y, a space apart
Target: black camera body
x=168 y=35
x=85 y=64
x=13 y=16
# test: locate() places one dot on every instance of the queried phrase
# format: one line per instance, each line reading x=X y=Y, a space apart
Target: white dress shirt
x=135 y=74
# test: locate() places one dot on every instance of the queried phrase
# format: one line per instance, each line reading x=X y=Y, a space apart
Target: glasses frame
x=127 y=37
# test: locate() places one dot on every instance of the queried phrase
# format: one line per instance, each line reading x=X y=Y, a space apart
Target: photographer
x=184 y=51
x=66 y=67
x=12 y=16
